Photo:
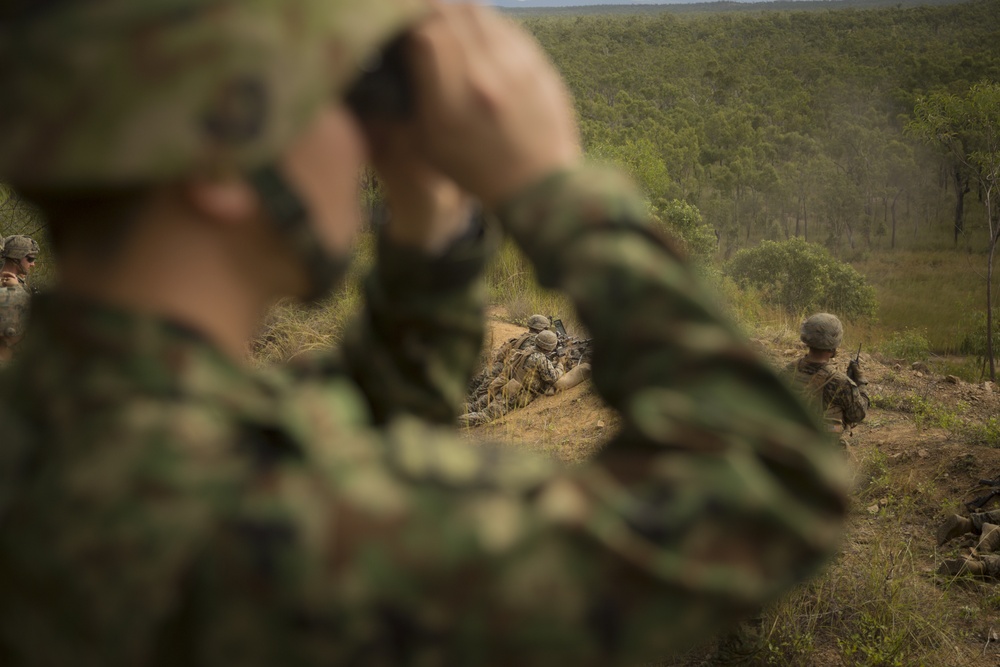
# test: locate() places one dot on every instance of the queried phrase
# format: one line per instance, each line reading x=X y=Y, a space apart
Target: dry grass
x=932 y=291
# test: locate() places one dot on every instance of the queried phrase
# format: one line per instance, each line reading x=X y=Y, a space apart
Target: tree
x=800 y=276
x=968 y=126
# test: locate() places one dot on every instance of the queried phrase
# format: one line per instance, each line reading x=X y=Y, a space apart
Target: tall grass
x=932 y=291
x=512 y=286
x=291 y=328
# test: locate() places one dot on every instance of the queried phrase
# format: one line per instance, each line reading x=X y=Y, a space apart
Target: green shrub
x=683 y=221
x=974 y=341
x=803 y=277
x=911 y=344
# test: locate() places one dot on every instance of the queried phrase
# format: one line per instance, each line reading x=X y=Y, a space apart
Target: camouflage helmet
x=546 y=341
x=19 y=246
x=139 y=92
x=822 y=331
x=538 y=322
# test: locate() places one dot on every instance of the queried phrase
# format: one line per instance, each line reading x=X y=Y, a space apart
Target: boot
x=952 y=527
x=990 y=540
x=957 y=566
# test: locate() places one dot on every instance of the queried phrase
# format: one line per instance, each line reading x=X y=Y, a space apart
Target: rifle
x=994 y=491
x=577 y=350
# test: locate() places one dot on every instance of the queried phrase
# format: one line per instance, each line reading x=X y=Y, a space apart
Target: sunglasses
x=31 y=259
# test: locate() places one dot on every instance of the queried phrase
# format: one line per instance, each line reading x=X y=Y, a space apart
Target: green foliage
x=874 y=644
x=910 y=344
x=974 y=341
x=983 y=433
x=773 y=123
x=802 y=277
x=684 y=222
x=874 y=605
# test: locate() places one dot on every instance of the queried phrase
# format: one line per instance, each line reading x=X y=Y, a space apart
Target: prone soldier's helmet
x=538 y=322
x=546 y=341
x=18 y=247
x=822 y=331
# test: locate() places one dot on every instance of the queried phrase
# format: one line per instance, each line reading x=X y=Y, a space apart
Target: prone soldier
x=480 y=384
x=529 y=374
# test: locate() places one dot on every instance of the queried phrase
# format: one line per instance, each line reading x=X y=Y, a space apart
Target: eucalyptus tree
x=968 y=127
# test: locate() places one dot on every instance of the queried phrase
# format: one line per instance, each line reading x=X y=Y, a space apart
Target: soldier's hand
x=491 y=110
x=427 y=209
x=855 y=373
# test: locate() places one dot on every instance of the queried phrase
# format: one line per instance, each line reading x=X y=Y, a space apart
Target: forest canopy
x=784 y=124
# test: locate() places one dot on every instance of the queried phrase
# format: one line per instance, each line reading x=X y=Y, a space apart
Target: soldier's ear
x=228 y=200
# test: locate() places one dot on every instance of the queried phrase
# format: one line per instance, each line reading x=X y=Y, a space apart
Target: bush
x=911 y=344
x=683 y=221
x=803 y=277
x=974 y=341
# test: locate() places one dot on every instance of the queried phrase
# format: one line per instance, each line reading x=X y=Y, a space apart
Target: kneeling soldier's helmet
x=546 y=341
x=822 y=331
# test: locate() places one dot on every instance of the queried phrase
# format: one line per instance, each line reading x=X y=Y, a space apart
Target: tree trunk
x=989 y=310
x=893 y=210
x=961 y=188
x=994 y=236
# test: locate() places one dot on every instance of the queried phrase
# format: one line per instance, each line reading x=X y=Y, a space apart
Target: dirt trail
x=924 y=471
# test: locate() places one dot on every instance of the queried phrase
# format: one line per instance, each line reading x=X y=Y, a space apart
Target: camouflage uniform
x=161 y=505
x=841 y=401
x=528 y=375
x=835 y=394
x=15 y=301
x=480 y=384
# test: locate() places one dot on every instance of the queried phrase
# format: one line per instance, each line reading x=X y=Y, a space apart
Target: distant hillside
x=571 y=7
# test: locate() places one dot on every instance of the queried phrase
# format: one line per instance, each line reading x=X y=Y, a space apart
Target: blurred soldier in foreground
x=840 y=396
x=161 y=503
x=528 y=374
x=19 y=256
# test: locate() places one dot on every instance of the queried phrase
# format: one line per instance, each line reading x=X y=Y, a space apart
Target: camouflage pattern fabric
x=15 y=303
x=534 y=373
x=145 y=91
x=480 y=384
x=161 y=505
x=838 y=397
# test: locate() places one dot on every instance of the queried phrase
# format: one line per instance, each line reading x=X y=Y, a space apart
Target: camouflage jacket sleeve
x=224 y=519
x=408 y=545
x=413 y=348
x=542 y=373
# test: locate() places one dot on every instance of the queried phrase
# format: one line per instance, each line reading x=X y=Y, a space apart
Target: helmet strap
x=290 y=216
